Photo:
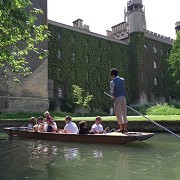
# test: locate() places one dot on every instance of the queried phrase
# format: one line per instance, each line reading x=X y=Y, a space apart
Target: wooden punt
x=109 y=138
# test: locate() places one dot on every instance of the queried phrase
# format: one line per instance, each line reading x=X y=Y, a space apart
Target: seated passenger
x=83 y=128
x=41 y=124
x=32 y=123
x=48 y=116
x=50 y=125
x=70 y=127
x=97 y=128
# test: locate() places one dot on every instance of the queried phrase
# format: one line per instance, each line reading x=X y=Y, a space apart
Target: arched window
x=154 y=50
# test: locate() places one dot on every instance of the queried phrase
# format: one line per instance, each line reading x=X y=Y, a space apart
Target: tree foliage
x=82 y=100
x=174 y=62
x=19 y=35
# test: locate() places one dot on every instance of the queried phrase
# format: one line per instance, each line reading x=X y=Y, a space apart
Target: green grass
x=130 y=118
x=113 y=118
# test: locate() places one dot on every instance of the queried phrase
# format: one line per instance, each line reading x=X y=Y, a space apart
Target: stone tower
x=135 y=16
x=177 y=26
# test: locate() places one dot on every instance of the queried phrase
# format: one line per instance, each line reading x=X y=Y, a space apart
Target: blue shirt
x=118 y=87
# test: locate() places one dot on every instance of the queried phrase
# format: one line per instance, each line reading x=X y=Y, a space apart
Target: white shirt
x=98 y=128
x=71 y=128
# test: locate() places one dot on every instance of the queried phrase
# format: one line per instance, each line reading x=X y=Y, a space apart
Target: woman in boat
x=50 y=125
x=70 y=127
x=33 y=123
x=97 y=128
x=83 y=128
x=41 y=124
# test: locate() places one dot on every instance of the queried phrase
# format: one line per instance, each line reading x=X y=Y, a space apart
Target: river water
x=156 y=158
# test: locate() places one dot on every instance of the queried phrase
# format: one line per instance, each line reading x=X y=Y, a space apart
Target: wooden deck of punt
x=109 y=138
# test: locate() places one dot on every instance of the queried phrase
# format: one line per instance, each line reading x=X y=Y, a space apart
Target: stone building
x=79 y=56
x=32 y=93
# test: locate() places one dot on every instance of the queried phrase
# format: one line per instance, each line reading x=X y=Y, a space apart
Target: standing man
x=117 y=89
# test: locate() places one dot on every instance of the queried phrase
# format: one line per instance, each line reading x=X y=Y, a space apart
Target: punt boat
x=108 y=138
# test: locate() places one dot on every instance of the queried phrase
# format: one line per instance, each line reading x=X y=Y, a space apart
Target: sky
x=101 y=15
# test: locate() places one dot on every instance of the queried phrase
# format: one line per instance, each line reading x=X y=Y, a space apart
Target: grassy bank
x=158 y=112
x=112 y=118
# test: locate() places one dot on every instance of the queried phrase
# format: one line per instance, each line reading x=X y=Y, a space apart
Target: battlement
x=177 y=23
x=177 y=26
x=158 y=37
x=133 y=2
x=119 y=31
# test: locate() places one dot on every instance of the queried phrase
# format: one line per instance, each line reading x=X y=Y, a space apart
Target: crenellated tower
x=177 y=26
x=135 y=16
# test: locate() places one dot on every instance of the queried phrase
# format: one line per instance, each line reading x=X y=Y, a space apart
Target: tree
x=174 y=62
x=82 y=100
x=19 y=35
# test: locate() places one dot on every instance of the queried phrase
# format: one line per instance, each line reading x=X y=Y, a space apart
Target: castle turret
x=135 y=16
x=177 y=26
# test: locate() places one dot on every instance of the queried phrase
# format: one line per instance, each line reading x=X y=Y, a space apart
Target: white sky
x=101 y=15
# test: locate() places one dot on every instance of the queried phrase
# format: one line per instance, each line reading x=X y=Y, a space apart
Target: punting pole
x=147 y=118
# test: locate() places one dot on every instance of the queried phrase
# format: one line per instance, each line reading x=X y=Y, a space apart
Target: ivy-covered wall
x=136 y=57
x=85 y=60
x=155 y=66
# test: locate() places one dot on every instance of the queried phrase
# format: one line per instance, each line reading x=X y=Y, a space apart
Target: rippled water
x=156 y=158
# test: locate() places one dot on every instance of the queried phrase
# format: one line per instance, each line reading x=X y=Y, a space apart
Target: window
x=98 y=60
x=59 y=92
x=59 y=54
x=87 y=77
x=59 y=36
x=58 y=72
x=73 y=38
x=154 y=50
x=155 y=65
x=155 y=81
x=87 y=59
x=99 y=79
x=74 y=56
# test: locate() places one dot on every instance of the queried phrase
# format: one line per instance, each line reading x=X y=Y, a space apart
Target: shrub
x=163 y=109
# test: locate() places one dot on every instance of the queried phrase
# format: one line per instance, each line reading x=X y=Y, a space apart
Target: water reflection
x=98 y=153
x=71 y=153
x=157 y=158
x=38 y=150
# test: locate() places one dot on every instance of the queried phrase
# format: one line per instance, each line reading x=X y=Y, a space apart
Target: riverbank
x=143 y=126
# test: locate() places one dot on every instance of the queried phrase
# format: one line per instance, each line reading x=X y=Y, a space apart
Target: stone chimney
x=78 y=23
x=108 y=33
